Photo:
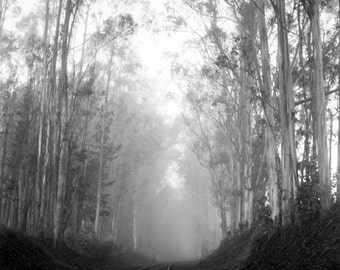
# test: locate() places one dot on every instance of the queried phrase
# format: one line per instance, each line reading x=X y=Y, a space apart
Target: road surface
x=158 y=267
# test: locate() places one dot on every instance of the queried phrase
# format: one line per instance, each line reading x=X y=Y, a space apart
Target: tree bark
x=287 y=113
x=320 y=104
x=338 y=148
x=268 y=104
x=44 y=105
x=55 y=120
x=330 y=142
x=65 y=126
x=6 y=119
x=102 y=141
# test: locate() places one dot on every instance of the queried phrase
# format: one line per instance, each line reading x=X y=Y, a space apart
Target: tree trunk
x=246 y=144
x=287 y=113
x=320 y=104
x=102 y=141
x=117 y=210
x=2 y=169
x=223 y=214
x=44 y=106
x=331 y=117
x=55 y=117
x=338 y=148
x=248 y=193
x=6 y=118
x=63 y=94
x=305 y=172
x=268 y=104
x=239 y=194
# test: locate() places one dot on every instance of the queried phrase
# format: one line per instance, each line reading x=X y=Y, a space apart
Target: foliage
x=308 y=203
x=262 y=215
x=313 y=247
x=23 y=252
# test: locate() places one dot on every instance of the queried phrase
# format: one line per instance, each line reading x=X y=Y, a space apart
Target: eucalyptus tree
x=44 y=106
x=320 y=107
x=198 y=187
x=338 y=148
x=64 y=117
x=123 y=26
x=14 y=94
x=287 y=112
x=7 y=82
x=269 y=110
x=213 y=149
x=235 y=77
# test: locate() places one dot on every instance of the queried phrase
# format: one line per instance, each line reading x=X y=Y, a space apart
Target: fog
x=163 y=126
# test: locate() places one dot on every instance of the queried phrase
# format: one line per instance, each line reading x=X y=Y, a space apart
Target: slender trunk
x=114 y=174
x=320 y=108
x=56 y=116
x=102 y=141
x=331 y=116
x=116 y=219
x=224 y=228
x=136 y=205
x=26 y=200
x=288 y=145
x=246 y=167
x=134 y=227
x=84 y=142
x=239 y=193
x=144 y=244
x=268 y=104
x=305 y=174
x=3 y=164
x=84 y=41
x=62 y=174
x=338 y=148
x=44 y=104
x=246 y=144
x=113 y=213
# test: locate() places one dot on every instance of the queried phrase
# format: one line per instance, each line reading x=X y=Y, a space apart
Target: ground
x=312 y=244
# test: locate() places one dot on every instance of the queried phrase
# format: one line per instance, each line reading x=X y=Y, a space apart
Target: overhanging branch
x=310 y=99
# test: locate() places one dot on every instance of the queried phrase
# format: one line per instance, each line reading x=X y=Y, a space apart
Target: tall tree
x=338 y=147
x=269 y=108
x=63 y=113
x=319 y=106
x=103 y=117
x=319 y=102
x=287 y=114
x=44 y=104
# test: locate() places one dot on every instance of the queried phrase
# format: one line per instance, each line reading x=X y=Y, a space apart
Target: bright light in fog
x=173 y=178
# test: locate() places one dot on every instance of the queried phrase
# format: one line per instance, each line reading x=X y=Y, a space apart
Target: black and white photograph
x=169 y=134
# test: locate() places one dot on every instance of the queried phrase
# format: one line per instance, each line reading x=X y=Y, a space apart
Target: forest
x=170 y=130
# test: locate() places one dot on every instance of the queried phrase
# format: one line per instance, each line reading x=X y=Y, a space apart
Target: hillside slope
x=18 y=251
x=314 y=245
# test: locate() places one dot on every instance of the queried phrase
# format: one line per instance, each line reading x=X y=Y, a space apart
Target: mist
x=168 y=132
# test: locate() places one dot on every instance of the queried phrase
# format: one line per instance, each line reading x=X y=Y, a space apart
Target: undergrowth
x=18 y=251
x=312 y=247
x=313 y=244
